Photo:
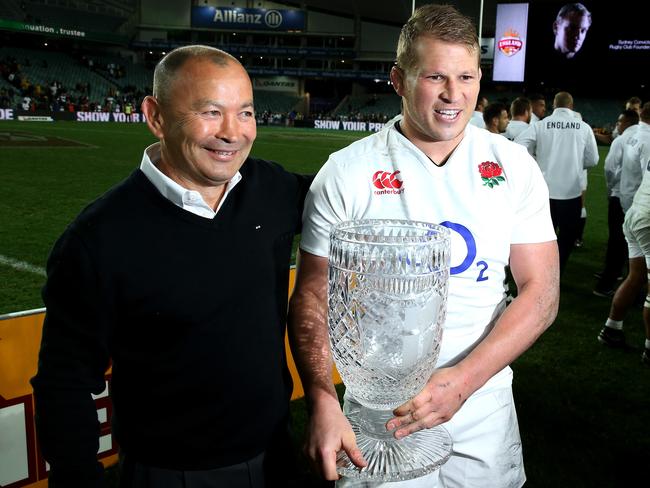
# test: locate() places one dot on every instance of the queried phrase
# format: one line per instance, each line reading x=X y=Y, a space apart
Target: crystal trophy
x=388 y=282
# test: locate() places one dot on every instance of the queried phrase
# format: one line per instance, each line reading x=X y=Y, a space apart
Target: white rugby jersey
x=515 y=127
x=633 y=165
x=477 y=119
x=490 y=193
x=614 y=161
x=642 y=196
x=563 y=146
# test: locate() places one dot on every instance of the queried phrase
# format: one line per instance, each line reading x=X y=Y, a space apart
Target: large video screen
x=510 y=42
x=589 y=45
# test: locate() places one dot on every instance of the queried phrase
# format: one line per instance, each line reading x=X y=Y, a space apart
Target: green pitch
x=50 y=171
x=584 y=410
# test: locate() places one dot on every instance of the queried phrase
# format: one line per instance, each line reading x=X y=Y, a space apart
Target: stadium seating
x=94 y=16
x=43 y=67
x=599 y=112
x=133 y=74
x=366 y=105
x=275 y=102
x=5 y=85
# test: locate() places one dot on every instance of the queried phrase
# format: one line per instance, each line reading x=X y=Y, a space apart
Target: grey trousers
x=249 y=474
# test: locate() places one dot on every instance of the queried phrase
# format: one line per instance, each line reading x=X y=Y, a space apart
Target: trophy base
x=390 y=459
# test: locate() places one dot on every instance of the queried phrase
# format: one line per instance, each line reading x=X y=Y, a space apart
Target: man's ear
x=151 y=110
x=397 y=78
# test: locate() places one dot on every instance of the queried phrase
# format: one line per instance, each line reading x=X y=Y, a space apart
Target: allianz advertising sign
x=248 y=18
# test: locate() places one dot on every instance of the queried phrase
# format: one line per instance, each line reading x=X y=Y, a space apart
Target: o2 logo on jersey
x=470 y=242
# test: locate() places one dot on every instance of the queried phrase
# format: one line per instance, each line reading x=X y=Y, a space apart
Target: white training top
x=385 y=176
x=614 y=161
x=477 y=119
x=632 y=162
x=515 y=127
x=563 y=146
x=642 y=196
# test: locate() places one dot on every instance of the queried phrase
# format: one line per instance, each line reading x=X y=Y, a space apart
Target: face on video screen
x=569 y=45
x=570 y=32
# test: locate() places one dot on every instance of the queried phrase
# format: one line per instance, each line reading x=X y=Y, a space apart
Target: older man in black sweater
x=178 y=276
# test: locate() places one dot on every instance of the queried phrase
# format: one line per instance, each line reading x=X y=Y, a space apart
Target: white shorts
x=636 y=228
x=487 y=448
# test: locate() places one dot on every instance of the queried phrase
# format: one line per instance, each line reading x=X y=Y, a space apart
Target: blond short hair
x=441 y=22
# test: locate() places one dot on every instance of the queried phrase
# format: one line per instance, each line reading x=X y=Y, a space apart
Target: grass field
x=584 y=410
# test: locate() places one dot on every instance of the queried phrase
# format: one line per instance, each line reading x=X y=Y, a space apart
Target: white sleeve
x=613 y=163
x=591 y=149
x=532 y=215
x=324 y=206
x=528 y=139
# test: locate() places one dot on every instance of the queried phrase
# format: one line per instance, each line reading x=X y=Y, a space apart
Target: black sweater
x=191 y=311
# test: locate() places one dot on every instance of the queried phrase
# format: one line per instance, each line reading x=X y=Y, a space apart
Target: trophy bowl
x=387 y=301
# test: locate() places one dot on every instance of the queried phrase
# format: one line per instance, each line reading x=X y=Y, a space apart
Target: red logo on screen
x=387 y=183
x=510 y=44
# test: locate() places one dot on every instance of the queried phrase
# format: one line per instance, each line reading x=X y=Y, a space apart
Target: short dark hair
x=519 y=106
x=536 y=97
x=493 y=110
x=630 y=116
x=166 y=69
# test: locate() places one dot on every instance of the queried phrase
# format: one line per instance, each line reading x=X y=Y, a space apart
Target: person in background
x=633 y=103
x=636 y=227
x=538 y=105
x=616 y=253
x=520 y=113
x=564 y=146
x=477 y=116
x=495 y=117
x=584 y=181
x=632 y=166
x=178 y=277
x=493 y=194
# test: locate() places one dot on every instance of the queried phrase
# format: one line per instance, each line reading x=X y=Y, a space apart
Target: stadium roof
x=398 y=11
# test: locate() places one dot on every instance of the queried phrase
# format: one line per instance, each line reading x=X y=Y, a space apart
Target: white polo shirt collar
x=189 y=200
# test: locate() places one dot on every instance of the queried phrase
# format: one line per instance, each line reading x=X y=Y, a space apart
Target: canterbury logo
x=385 y=180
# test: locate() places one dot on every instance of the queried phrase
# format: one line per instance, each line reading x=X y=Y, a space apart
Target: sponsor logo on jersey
x=510 y=44
x=491 y=173
x=387 y=183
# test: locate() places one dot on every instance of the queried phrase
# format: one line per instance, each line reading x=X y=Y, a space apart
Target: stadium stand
x=93 y=15
x=266 y=101
x=8 y=95
x=599 y=112
x=369 y=106
x=120 y=71
x=11 y=10
x=44 y=67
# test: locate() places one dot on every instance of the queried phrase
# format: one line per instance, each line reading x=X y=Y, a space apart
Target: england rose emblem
x=490 y=173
